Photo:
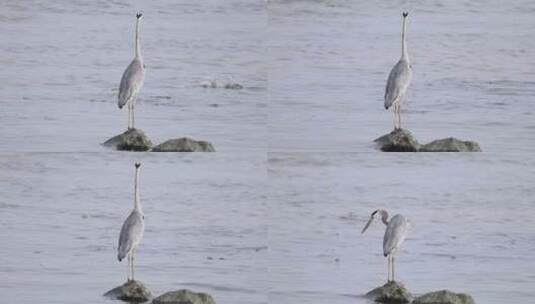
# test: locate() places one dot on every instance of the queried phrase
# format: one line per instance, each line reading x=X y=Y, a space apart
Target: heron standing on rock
x=399 y=79
x=396 y=231
x=132 y=230
x=132 y=79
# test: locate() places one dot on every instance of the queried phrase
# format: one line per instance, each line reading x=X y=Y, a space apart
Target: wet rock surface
x=444 y=297
x=131 y=291
x=399 y=140
x=184 y=296
x=184 y=144
x=450 y=144
x=131 y=140
x=402 y=140
x=391 y=292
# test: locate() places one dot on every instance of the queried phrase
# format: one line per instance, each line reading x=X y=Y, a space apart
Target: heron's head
x=405 y=14
x=139 y=15
x=137 y=165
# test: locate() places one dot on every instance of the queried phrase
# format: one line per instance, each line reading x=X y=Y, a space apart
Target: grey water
x=62 y=62
x=61 y=214
x=471 y=225
x=473 y=73
x=274 y=216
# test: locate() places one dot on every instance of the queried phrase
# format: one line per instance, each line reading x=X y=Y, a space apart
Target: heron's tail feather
x=120 y=256
x=388 y=104
x=122 y=102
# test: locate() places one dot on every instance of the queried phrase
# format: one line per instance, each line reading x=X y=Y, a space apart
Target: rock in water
x=451 y=144
x=131 y=140
x=391 y=292
x=399 y=140
x=184 y=296
x=444 y=297
x=184 y=144
x=233 y=86
x=131 y=291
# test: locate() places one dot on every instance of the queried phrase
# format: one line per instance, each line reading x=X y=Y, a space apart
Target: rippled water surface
x=62 y=213
x=473 y=72
x=274 y=216
x=471 y=216
x=64 y=60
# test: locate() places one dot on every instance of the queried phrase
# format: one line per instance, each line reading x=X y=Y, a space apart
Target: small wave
x=221 y=84
x=8 y=206
x=220 y=287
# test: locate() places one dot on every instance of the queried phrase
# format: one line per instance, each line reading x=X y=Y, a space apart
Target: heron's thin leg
x=399 y=115
x=129 y=122
x=128 y=265
x=395 y=111
x=133 y=112
x=388 y=275
x=393 y=267
x=128 y=105
x=133 y=257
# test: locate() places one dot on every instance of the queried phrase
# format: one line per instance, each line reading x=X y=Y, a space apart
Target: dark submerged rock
x=184 y=296
x=399 y=140
x=184 y=144
x=451 y=144
x=131 y=291
x=131 y=140
x=233 y=86
x=214 y=84
x=444 y=297
x=391 y=292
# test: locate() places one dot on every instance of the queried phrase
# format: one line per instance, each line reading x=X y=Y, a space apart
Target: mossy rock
x=131 y=140
x=131 y=291
x=184 y=296
x=399 y=140
x=184 y=144
x=444 y=297
x=390 y=293
x=451 y=144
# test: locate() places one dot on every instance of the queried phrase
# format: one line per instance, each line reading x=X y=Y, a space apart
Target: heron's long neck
x=138 y=45
x=137 y=202
x=404 y=53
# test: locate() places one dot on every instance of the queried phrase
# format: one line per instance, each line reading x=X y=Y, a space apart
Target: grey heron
x=399 y=79
x=132 y=79
x=396 y=231
x=132 y=230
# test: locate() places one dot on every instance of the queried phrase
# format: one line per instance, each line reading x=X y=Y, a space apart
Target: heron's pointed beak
x=367 y=224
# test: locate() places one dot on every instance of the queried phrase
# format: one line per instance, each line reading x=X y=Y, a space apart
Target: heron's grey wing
x=131 y=234
x=397 y=82
x=395 y=234
x=131 y=82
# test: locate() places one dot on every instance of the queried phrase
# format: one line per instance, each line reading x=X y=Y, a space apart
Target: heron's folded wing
x=397 y=82
x=395 y=234
x=131 y=234
x=131 y=81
